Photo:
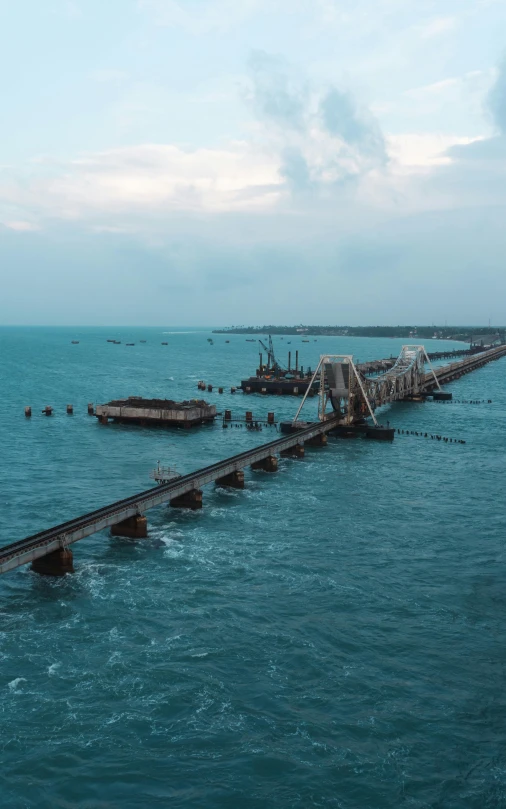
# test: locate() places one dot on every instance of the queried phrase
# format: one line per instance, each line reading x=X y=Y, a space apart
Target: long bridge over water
x=353 y=397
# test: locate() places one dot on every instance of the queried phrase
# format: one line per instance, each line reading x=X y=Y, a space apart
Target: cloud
x=295 y=170
x=342 y=119
x=322 y=137
x=421 y=151
x=275 y=95
x=20 y=225
x=148 y=179
x=438 y=26
x=497 y=98
x=203 y=16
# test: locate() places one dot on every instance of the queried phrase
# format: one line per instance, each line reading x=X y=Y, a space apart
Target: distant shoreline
x=465 y=334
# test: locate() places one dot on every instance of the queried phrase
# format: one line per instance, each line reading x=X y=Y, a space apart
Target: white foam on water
x=13 y=685
x=53 y=668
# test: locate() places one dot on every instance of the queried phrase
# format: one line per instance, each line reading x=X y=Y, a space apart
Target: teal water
x=332 y=636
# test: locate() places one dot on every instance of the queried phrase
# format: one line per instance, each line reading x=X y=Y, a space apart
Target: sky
x=230 y=162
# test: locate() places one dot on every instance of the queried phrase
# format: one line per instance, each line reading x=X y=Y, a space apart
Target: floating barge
x=273 y=378
x=156 y=412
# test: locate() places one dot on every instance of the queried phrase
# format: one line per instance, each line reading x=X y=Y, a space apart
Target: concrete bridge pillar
x=192 y=500
x=297 y=451
x=57 y=563
x=235 y=480
x=135 y=527
x=269 y=464
x=320 y=440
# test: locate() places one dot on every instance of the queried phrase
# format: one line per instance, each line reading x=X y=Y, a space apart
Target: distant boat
x=227 y=341
x=305 y=341
x=165 y=344
x=75 y=342
x=111 y=341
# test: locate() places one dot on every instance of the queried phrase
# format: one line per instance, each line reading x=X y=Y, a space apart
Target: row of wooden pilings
x=49 y=410
x=202 y=386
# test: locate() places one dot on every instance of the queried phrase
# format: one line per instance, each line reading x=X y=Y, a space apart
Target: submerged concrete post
x=192 y=500
x=293 y=452
x=235 y=480
x=135 y=527
x=317 y=441
x=57 y=563
x=269 y=464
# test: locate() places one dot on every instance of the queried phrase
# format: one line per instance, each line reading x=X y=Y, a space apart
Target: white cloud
x=412 y=151
x=20 y=225
x=203 y=17
x=438 y=26
x=436 y=88
x=152 y=178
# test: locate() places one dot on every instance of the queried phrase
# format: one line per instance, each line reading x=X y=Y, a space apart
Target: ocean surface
x=332 y=636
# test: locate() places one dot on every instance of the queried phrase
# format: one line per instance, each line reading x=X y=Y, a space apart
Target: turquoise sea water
x=332 y=636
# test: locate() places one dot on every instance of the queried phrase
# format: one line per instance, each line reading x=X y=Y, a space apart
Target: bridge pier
x=135 y=527
x=192 y=500
x=380 y=433
x=57 y=563
x=235 y=480
x=317 y=441
x=297 y=451
x=269 y=464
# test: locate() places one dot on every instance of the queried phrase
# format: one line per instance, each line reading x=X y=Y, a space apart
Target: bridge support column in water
x=192 y=500
x=57 y=563
x=135 y=527
x=235 y=480
x=293 y=452
x=269 y=464
x=318 y=441
x=380 y=433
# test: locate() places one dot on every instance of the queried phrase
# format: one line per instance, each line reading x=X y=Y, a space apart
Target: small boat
x=117 y=342
x=227 y=341
x=75 y=342
x=305 y=341
x=111 y=341
x=165 y=344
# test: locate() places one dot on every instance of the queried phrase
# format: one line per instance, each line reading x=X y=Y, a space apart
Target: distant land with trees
x=466 y=334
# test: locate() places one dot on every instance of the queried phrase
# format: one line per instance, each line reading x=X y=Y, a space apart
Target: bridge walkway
x=60 y=536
